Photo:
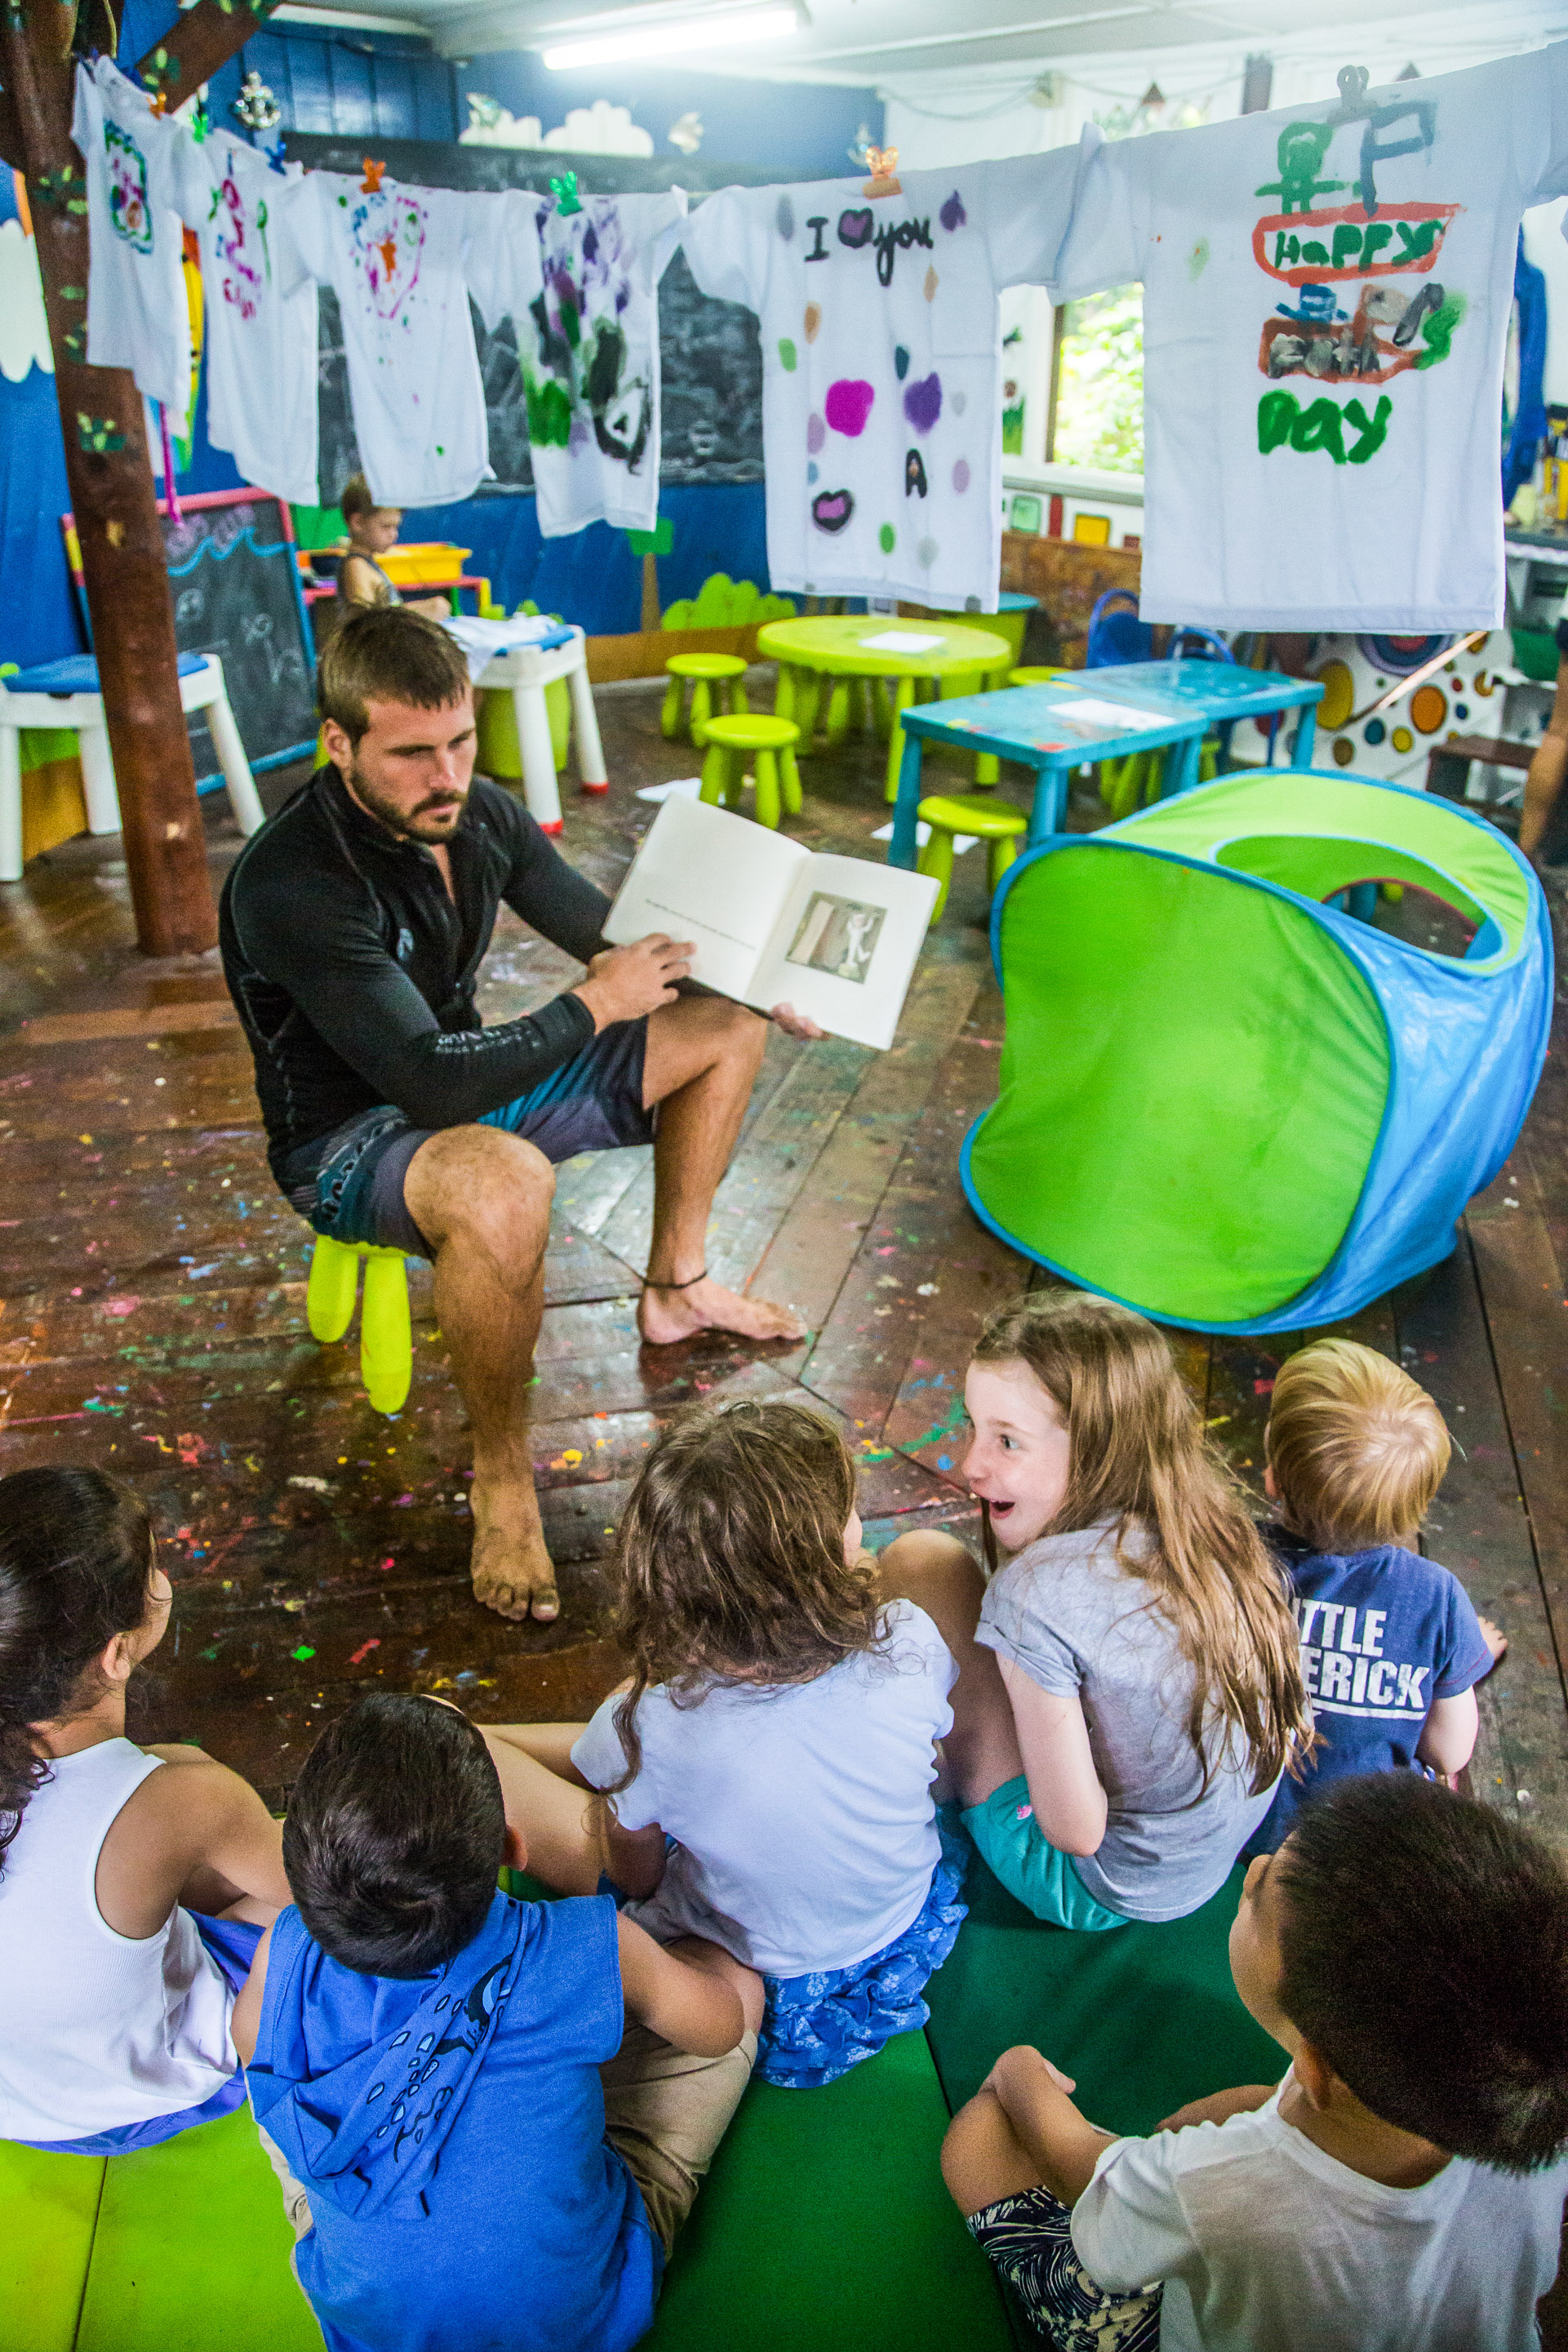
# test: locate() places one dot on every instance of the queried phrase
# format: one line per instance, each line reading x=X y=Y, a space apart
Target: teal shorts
x=1009 y=1842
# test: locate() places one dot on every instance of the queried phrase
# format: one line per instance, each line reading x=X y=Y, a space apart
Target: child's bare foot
x=664 y=1316
x=1494 y=1637
x=512 y=1571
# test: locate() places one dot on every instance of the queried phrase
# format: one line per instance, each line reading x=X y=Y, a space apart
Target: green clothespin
x=563 y=188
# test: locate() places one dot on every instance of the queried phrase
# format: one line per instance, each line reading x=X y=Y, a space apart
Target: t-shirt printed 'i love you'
x=881 y=361
x=1326 y=297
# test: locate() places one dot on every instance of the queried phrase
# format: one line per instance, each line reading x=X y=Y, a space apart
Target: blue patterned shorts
x=816 y=2027
x=1028 y=2239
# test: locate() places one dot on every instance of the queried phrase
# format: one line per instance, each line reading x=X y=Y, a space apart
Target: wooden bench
x=1448 y=763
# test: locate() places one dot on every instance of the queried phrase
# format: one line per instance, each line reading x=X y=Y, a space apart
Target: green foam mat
x=1144 y=2018
x=192 y=2250
x=824 y=2227
x=50 y=2209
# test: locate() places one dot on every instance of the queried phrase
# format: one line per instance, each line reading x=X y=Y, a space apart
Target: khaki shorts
x=665 y=2112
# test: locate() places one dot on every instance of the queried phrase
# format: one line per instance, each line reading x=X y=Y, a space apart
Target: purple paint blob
x=848 y=405
x=816 y=433
x=961 y=476
x=923 y=402
x=953 y=215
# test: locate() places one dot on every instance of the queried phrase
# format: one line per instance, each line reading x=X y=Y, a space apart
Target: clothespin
x=883 y=180
x=273 y=154
x=370 y=185
x=563 y=188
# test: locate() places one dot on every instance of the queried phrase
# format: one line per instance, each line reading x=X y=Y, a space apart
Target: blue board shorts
x=1039 y=1877
x=232 y=1944
x=816 y=2027
x=348 y=1184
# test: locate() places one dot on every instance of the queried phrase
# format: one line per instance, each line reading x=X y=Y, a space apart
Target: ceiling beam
x=205 y=37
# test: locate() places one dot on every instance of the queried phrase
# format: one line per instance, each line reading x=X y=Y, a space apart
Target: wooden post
x=204 y=38
x=116 y=512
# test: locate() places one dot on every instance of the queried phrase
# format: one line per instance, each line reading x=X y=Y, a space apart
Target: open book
x=775 y=924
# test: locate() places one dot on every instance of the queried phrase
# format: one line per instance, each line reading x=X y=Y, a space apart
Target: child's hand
x=1030 y=2061
x=1219 y=2106
x=1494 y=1637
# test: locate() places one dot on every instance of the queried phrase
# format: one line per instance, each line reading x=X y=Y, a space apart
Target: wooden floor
x=153 y=1292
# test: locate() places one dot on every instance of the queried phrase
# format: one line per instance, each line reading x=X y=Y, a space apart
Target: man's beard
x=432 y=819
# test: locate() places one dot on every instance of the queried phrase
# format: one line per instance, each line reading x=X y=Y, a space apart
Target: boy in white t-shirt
x=1401 y=2191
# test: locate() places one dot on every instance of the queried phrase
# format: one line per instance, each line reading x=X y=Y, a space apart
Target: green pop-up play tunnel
x=1230 y=1103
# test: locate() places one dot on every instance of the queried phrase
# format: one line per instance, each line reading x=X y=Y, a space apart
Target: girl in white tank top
x=116 y=1984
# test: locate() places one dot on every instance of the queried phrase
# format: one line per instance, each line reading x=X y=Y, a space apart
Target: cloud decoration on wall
x=23 y=329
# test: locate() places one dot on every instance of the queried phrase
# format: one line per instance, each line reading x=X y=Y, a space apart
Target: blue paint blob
x=900 y=362
x=923 y=402
x=1375 y=730
x=1461 y=709
x=953 y=215
x=813 y=473
x=785 y=217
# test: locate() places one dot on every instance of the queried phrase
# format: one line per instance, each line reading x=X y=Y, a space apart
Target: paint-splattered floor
x=151 y=1318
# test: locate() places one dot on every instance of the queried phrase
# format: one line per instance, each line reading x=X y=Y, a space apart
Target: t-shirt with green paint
x=1326 y=297
x=581 y=288
x=881 y=332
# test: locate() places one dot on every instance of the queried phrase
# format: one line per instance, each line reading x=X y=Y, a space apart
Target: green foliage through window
x=1100 y=407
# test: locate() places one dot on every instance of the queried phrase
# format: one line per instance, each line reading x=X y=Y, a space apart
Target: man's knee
x=483 y=1186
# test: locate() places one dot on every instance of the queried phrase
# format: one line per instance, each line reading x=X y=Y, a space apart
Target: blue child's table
x=1076 y=718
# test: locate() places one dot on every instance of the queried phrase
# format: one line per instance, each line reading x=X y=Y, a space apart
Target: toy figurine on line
x=256 y=108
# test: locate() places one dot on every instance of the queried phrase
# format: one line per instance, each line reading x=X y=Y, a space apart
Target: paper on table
x=1087 y=710
x=900 y=641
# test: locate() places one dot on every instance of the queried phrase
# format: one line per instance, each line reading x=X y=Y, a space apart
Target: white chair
x=524 y=672
x=65 y=694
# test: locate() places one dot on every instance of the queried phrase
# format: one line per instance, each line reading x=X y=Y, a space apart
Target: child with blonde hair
x=767 y=1773
x=1129 y=1684
x=1391 y=1647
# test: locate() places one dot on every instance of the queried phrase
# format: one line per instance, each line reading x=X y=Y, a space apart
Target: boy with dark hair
x=1391 y=1647
x=489 y=2117
x=1401 y=2191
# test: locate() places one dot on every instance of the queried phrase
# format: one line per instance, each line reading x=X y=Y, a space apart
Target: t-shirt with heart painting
x=394 y=257
x=882 y=364
x=1327 y=291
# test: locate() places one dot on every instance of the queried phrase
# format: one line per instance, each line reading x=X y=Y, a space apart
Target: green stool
x=706 y=671
x=772 y=742
x=386 y=1339
x=1034 y=676
x=998 y=823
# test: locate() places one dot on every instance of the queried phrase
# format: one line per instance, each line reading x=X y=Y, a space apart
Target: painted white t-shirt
x=808 y=1837
x=881 y=365
x=1326 y=297
x=1265 y=2244
x=261 y=344
x=395 y=256
x=137 y=316
x=585 y=304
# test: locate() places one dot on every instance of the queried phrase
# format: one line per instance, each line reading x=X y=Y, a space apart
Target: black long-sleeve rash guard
x=354 y=971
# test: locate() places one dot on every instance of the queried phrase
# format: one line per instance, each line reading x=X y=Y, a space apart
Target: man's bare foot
x=512 y=1569
x=664 y=1316
x=1494 y=1637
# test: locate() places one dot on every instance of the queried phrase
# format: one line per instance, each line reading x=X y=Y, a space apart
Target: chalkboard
x=710 y=355
x=236 y=589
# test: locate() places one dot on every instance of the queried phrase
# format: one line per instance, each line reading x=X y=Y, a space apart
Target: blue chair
x=1115 y=632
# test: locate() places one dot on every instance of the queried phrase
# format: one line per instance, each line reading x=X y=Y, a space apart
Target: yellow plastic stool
x=386 y=1335
x=772 y=742
x=998 y=823
x=706 y=672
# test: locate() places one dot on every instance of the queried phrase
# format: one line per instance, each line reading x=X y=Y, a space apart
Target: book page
x=717 y=879
x=847 y=946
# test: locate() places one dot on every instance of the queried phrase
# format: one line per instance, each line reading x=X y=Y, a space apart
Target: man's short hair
x=387 y=653
x=356 y=498
x=1357 y=1449
x=1424 y=1948
x=395 y=1835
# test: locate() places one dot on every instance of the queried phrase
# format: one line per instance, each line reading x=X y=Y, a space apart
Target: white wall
x=1543 y=244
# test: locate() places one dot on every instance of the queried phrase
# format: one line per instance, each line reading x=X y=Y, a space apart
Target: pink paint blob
x=848 y=405
x=961 y=476
x=816 y=433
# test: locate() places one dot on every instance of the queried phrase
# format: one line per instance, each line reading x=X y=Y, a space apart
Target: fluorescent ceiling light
x=728 y=28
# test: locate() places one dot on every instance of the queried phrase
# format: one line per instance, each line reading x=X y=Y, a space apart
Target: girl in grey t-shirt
x=1129 y=1689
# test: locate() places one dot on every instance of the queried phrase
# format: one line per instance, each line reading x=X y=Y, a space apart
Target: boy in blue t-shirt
x=489 y=2117
x=1391 y=1647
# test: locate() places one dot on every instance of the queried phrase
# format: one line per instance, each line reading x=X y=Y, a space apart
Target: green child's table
x=861 y=655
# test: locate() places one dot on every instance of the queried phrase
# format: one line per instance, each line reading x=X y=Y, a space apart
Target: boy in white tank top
x=134 y=1883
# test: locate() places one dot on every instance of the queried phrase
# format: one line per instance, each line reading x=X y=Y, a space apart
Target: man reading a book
x=353 y=925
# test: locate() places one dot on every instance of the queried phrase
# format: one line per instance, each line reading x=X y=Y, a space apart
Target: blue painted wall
x=795 y=131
